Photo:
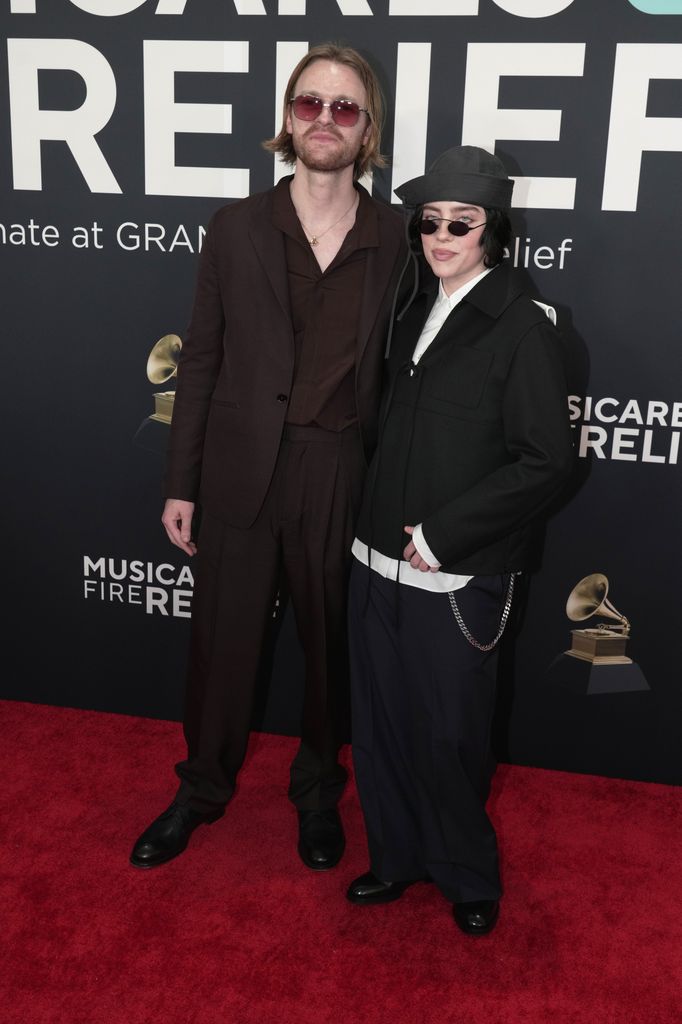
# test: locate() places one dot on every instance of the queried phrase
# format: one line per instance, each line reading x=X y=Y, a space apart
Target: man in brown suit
x=275 y=414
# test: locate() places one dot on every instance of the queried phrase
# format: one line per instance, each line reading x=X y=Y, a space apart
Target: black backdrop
x=582 y=101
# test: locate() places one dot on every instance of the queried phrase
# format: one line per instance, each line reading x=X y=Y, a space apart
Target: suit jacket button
x=281 y=398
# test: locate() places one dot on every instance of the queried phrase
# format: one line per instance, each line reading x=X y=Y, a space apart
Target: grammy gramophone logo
x=162 y=366
x=596 y=661
x=603 y=644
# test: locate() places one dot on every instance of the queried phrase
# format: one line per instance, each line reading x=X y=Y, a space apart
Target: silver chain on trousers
x=503 y=618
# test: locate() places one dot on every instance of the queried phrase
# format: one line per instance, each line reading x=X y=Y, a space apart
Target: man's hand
x=177 y=519
x=411 y=555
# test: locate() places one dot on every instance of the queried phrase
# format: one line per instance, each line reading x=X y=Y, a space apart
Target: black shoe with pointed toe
x=169 y=835
x=368 y=889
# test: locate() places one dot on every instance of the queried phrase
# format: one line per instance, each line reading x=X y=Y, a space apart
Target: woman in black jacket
x=475 y=442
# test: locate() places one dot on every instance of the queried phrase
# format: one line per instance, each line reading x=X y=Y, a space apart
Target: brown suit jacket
x=237 y=363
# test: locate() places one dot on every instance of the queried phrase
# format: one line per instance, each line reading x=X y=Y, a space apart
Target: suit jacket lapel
x=269 y=245
x=461 y=327
x=378 y=270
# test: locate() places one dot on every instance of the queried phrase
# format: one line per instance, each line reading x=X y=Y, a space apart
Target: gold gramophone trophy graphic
x=602 y=644
x=162 y=366
x=596 y=661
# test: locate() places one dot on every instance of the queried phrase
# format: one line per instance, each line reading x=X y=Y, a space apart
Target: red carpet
x=237 y=931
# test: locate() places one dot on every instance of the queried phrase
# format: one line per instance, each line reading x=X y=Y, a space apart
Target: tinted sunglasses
x=345 y=113
x=455 y=227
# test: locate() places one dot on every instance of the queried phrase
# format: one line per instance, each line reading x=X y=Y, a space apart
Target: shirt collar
x=365 y=231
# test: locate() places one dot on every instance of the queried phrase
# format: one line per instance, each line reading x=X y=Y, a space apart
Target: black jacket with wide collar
x=475 y=439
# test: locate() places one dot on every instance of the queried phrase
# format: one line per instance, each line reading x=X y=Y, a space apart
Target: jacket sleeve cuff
x=423 y=548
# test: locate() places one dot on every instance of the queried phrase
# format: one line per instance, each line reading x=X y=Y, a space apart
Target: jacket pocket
x=225 y=405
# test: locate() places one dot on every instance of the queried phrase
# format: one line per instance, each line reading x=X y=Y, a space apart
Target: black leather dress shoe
x=369 y=889
x=321 y=841
x=477 y=918
x=169 y=835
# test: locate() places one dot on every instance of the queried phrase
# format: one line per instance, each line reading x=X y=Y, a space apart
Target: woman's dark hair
x=495 y=237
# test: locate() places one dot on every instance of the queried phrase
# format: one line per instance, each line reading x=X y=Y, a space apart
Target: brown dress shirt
x=325 y=309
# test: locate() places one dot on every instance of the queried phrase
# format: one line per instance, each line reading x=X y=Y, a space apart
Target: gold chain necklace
x=314 y=239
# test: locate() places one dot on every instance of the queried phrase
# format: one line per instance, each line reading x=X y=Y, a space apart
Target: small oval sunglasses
x=345 y=113
x=455 y=227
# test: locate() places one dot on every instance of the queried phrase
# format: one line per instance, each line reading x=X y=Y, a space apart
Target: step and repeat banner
x=125 y=123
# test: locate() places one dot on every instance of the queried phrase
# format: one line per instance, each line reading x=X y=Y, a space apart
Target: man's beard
x=329 y=157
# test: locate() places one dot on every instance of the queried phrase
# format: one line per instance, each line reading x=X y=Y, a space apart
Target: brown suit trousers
x=305 y=531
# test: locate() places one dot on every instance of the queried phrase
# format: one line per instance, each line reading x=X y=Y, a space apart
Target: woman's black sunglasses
x=429 y=226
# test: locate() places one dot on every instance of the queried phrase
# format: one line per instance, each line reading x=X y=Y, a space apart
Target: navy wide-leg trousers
x=422 y=703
